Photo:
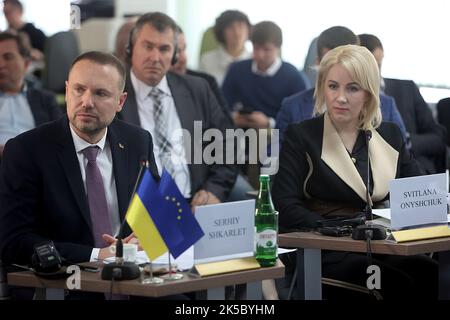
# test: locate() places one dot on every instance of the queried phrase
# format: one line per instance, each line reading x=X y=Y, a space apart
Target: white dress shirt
x=271 y=71
x=217 y=61
x=174 y=129
x=105 y=164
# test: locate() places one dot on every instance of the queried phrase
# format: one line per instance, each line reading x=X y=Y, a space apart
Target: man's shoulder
x=391 y=133
x=399 y=83
x=33 y=90
x=386 y=101
x=206 y=76
x=300 y=98
x=46 y=132
x=241 y=65
x=306 y=128
x=126 y=128
x=194 y=85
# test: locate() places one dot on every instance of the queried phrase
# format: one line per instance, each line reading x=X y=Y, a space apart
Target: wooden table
x=214 y=285
x=309 y=259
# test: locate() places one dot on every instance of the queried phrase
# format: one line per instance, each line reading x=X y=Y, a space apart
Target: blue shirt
x=15 y=115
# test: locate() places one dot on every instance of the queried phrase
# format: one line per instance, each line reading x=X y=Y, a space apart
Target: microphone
x=120 y=269
x=368 y=231
x=368 y=209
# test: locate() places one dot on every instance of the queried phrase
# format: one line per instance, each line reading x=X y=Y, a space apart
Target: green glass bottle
x=266 y=225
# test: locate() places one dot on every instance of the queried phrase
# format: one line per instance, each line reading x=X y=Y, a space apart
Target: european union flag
x=179 y=208
x=148 y=217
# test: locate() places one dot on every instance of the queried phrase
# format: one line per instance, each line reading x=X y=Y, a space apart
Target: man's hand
x=105 y=253
x=203 y=197
x=130 y=239
x=256 y=120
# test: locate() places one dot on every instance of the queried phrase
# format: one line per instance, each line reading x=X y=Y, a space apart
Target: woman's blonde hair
x=363 y=69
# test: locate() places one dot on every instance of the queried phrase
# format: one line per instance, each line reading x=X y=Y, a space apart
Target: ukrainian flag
x=148 y=217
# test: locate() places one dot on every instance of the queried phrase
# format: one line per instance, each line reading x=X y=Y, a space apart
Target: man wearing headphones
x=165 y=103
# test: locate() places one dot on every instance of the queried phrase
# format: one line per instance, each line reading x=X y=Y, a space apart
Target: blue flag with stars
x=187 y=223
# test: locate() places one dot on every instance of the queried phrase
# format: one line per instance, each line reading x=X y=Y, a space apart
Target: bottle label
x=266 y=238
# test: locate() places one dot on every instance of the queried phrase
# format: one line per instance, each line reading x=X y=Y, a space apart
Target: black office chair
x=443 y=117
x=60 y=50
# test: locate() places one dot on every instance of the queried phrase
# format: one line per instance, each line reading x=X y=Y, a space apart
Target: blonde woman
x=323 y=169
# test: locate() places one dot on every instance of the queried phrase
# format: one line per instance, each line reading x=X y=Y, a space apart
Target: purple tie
x=98 y=206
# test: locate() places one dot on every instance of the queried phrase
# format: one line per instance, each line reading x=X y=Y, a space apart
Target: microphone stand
x=368 y=231
x=120 y=269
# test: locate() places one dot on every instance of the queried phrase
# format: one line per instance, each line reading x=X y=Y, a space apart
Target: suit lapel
x=69 y=161
x=130 y=111
x=381 y=156
x=119 y=152
x=337 y=158
x=35 y=106
x=183 y=102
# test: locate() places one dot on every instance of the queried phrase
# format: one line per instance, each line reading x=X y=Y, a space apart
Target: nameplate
x=421 y=233
x=221 y=267
x=418 y=201
x=229 y=231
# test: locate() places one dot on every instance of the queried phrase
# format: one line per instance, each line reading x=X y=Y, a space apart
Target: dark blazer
x=42 y=104
x=427 y=136
x=42 y=195
x=317 y=177
x=194 y=101
x=300 y=107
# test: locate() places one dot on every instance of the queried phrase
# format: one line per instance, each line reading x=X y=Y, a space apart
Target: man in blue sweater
x=254 y=88
x=299 y=106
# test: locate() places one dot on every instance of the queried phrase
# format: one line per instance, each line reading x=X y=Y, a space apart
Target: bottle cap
x=264 y=177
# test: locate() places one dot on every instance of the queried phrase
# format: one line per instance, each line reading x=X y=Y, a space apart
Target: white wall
x=414 y=33
x=50 y=16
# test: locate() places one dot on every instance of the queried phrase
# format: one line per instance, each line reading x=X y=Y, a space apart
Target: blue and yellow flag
x=179 y=209
x=148 y=217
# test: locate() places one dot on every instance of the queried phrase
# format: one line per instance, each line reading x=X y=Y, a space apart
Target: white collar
x=271 y=71
x=142 y=89
x=81 y=144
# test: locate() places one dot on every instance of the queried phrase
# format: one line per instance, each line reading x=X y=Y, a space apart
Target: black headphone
x=129 y=48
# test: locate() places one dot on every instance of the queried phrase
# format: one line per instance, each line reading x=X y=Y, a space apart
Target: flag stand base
x=128 y=271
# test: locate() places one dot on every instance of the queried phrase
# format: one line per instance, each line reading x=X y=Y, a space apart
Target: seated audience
x=122 y=39
x=231 y=30
x=299 y=106
x=241 y=186
x=427 y=136
x=254 y=88
x=22 y=105
x=323 y=171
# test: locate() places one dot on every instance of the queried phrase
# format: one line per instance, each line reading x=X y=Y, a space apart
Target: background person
x=232 y=29
x=426 y=135
x=164 y=102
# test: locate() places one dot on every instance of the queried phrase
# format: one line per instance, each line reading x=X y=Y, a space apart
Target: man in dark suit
x=22 y=106
x=166 y=103
x=70 y=180
x=427 y=136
